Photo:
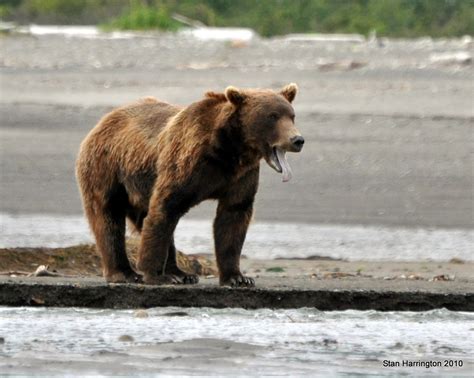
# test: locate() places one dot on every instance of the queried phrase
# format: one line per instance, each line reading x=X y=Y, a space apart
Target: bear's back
x=150 y=115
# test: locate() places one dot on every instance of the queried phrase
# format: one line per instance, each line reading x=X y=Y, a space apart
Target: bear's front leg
x=234 y=213
x=156 y=239
x=230 y=228
x=157 y=254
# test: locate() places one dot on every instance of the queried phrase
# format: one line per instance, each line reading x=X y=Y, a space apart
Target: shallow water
x=264 y=240
x=232 y=341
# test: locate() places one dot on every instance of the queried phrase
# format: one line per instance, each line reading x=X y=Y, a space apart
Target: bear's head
x=268 y=119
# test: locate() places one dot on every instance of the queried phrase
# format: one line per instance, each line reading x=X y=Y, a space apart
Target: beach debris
x=418 y=277
x=126 y=339
x=14 y=273
x=412 y=276
x=415 y=277
x=457 y=260
x=42 y=271
x=2 y=340
x=443 y=277
x=36 y=301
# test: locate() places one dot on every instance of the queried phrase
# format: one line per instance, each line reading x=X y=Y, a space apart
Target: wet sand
x=387 y=144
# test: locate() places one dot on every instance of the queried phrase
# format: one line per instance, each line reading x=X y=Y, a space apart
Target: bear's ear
x=289 y=92
x=235 y=96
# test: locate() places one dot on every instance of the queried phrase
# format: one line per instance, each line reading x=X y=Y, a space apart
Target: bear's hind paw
x=121 y=277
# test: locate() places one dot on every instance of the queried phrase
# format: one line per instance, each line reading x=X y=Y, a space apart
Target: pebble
x=126 y=338
x=141 y=314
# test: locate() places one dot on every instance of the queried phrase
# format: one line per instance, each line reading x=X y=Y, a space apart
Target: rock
x=126 y=339
x=141 y=313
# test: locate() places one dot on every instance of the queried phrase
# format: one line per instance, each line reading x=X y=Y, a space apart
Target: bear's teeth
x=285 y=167
x=275 y=164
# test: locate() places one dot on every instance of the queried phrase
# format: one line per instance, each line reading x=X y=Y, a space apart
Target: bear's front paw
x=237 y=280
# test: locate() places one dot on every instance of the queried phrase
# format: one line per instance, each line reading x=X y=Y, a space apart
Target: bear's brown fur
x=150 y=162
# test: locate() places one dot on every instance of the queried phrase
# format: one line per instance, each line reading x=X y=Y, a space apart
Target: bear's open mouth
x=280 y=164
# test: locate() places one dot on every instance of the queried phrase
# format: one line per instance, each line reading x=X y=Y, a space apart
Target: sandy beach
x=388 y=139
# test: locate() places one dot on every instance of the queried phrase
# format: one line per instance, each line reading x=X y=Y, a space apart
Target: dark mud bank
x=96 y=294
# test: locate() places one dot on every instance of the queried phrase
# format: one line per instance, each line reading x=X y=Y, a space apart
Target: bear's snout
x=297 y=143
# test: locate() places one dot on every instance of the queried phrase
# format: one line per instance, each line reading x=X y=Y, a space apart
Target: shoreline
x=90 y=293
x=282 y=283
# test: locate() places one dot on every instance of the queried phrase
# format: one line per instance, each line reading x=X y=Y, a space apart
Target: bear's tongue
x=285 y=167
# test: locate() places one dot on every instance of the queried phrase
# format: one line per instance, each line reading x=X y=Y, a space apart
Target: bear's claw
x=190 y=279
x=238 y=281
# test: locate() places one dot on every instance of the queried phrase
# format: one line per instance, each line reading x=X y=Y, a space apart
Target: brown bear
x=150 y=162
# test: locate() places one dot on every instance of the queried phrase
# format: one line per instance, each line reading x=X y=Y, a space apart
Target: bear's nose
x=297 y=142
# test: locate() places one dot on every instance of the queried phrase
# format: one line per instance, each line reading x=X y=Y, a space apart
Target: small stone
x=397 y=345
x=328 y=342
x=141 y=314
x=126 y=338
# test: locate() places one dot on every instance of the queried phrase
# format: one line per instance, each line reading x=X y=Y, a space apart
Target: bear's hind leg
x=172 y=268
x=108 y=225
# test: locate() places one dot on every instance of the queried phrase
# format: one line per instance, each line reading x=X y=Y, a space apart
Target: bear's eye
x=274 y=116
